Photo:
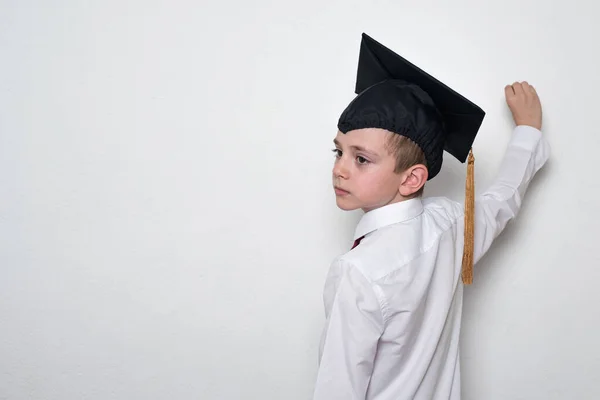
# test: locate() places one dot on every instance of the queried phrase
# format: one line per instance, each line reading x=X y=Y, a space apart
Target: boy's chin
x=346 y=205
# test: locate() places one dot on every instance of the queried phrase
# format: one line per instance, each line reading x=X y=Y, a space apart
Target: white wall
x=166 y=216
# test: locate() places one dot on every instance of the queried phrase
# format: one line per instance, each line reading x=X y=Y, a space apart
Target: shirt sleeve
x=527 y=152
x=352 y=331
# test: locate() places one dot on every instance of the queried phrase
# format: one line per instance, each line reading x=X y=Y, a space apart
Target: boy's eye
x=337 y=152
x=362 y=160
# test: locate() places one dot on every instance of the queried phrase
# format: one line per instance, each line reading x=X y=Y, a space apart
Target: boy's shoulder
x=443 y=210
x=453 y=208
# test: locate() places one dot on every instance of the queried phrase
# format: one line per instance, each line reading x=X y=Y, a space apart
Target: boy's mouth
x=340 y=192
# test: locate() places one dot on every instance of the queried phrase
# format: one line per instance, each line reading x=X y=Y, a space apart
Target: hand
x=524 y=103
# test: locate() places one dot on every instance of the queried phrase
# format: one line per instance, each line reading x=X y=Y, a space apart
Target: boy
x=393 y=303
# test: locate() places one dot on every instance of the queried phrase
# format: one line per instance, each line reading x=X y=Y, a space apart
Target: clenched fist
x=524 y=103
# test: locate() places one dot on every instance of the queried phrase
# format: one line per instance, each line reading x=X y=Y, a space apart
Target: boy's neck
x=397 y=199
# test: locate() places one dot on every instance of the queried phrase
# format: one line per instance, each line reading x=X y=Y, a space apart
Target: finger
x=533 y=91
x=518 y=88
x=527 y=90
x=509 y=91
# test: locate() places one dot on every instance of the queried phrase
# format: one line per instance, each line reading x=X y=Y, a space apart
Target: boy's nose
x=339 y=169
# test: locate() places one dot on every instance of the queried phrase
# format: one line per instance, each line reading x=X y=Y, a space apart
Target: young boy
x=393 y=303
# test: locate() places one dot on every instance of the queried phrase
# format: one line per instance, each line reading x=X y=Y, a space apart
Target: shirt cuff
x=526 y=137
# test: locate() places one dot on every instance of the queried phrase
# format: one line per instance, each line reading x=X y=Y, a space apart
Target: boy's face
x=363 y=173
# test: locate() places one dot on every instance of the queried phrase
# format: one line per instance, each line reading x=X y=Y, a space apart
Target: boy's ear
x=413 y=179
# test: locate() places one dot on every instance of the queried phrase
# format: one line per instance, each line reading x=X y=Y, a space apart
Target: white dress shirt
x=393 y=304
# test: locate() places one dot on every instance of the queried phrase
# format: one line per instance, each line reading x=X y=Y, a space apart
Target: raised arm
x=526 y=154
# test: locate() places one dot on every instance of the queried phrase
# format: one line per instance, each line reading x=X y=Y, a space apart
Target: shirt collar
x=388 y=215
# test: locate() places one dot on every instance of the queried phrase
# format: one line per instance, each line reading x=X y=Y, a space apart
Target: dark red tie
x=357 y=242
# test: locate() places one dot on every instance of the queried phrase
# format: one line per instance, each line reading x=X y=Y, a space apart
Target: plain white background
x=166 y=215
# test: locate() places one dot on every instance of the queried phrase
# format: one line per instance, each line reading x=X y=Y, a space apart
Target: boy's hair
x=407 y=154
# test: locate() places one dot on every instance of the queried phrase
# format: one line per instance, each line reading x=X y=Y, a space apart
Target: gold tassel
x=467 y=261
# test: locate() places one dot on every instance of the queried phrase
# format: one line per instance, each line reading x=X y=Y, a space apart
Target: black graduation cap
x=396 y=95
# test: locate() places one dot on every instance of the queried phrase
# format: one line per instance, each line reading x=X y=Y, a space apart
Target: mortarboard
x=395 y=95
